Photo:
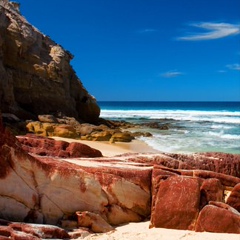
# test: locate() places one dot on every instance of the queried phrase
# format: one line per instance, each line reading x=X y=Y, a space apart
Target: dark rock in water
x=35 y=73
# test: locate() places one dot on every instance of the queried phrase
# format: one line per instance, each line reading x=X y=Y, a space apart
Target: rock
x=219 y=218
x=16 y=230
x=66 y=131
x=176 y=203
x=141 y=134
x=121 y=137
x=94 y=222
x=35 y=73
x=234 y=198
x=228 y=164
x=47 y=118
x=44 y=189
x=86 y=129
x=52 y=129
x=216 y=162
x=49 y=147
x=100 y=136
x=179 y=195
x=50 y=189
x=211 y=190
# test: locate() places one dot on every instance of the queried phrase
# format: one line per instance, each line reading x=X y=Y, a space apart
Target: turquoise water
x=193 y=126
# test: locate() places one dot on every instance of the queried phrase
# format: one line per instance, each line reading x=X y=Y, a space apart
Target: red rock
x=176 y=203
x=228 y=164
x=219 y=218
x=225 y=179
x=82 y=150
x=32 y=231
x=225 y=163
x=234 y=198
x=44 y=146
x=211 y=190
x=44 y=189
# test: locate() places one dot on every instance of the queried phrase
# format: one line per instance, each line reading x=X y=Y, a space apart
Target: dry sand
x=141 y=231
x=113 y=149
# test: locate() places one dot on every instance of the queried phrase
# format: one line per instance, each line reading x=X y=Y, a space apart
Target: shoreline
x=113 y=149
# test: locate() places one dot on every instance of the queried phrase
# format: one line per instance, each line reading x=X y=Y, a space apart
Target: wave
x=224 y=136
x=180 y=115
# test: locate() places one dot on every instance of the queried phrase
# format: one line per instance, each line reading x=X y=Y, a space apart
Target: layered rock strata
x=35 y=72
x=96 y=193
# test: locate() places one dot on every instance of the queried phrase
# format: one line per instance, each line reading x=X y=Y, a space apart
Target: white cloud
x=235 y=66
x=171 y=74
x=147 y=30
x=221 y=71
x=214 y=31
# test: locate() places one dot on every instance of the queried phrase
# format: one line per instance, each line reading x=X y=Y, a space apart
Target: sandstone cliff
x=35 y=73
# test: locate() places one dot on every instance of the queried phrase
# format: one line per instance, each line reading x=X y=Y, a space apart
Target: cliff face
x=35 y=73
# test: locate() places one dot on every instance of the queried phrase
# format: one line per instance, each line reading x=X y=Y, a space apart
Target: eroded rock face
x=225 y=163
x=101 y=191
x=44 y=189
x=49 y=147
x=35 y=73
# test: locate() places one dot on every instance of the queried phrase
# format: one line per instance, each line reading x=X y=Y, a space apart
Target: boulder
x=15 y=230
x=234 y=198
x=35 y=73
x=176 y=203
x=179 y=195
x=64 y=130
x=93 y=221
x=44 y=189
x=218 y=217
x=47 y=118
x=49 y=147
x=52 y=129
x=211 y=190
x=100 y=136
x=121 y=137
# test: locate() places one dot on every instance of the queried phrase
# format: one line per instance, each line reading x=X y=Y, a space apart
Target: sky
x=147 y=50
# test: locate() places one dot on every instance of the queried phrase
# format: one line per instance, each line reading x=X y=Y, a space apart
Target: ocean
x=192 y=126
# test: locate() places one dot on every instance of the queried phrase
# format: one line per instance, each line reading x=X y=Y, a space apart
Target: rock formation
x=50 y=147
x=98 y=192
x=35 y=73
x=44 y=189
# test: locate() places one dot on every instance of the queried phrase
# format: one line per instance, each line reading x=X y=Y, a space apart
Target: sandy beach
x=113 y=149
x=141 y=231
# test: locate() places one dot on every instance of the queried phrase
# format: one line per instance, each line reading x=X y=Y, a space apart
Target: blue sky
x=149 y=50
